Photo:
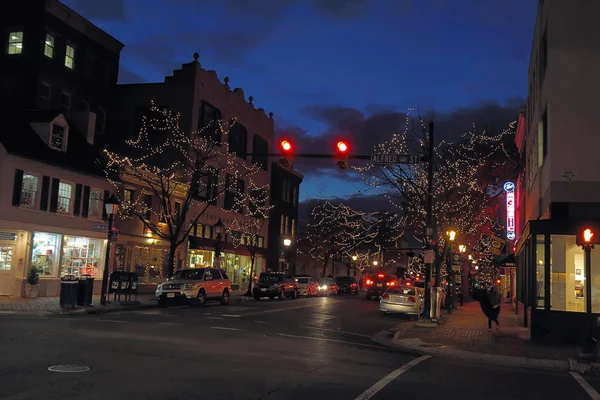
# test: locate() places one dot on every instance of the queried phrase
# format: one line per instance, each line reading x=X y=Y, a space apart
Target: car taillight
x=411 y=300
x=385 y=296
x=392 y=283
x=380 y=275
x=407 y=283
x=369 y=282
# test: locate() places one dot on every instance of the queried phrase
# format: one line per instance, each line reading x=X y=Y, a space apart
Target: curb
x=417 y=346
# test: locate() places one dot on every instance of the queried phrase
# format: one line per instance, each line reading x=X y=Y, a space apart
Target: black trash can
x=85 y=289
x=68 y=291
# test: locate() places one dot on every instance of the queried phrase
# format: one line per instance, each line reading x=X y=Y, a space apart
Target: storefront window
x=45 y=253
x=567 y=274
x=82 y=256
x=200 y=258
x=540 y=269
x=151 y=264
x=238 y=268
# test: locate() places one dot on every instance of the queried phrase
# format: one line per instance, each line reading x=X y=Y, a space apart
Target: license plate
x=379 y=284
x=263 y=289
x=170 y=295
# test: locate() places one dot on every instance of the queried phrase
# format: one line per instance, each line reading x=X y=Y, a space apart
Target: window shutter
x=45 y=192
x=106 y=197
x=18 y=185
x=85 y=208
x=77 y=204
x=54 y=195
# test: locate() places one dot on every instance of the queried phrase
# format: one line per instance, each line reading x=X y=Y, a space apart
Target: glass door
x=6 y=269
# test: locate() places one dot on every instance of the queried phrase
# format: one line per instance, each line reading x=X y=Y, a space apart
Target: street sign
x=384 y=159
x=496 y=245
x=428 y=255
x=113 y=236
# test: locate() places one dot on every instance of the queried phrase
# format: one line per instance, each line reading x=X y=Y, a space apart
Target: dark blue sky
x=328 y=66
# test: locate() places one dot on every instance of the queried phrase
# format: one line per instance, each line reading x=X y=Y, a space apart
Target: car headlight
x=189 y=286
x=324 y=287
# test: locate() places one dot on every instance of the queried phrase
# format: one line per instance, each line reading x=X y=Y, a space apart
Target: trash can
x=85 y=290
x=68 y=291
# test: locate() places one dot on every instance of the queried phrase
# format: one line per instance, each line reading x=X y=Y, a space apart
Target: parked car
x=378 y=283
x=327 y=287
x=402 y=299
x=275 y=284
x=308 y=286
x=195 y=286
x=346 y=284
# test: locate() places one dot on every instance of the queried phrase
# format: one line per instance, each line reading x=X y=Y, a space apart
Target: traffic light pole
x=590 y=343
x=429 y=223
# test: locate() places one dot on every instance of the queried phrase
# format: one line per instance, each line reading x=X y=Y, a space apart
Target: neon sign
x=509 y=188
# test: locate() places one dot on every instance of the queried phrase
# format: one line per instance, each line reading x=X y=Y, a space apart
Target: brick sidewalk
x=12 y=305
x=467 y=330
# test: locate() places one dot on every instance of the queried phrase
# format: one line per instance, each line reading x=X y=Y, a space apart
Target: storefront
x=551 y=281
x=8 y=258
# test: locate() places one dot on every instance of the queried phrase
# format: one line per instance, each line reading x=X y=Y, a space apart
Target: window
x=208 y=186
x=230 y=192
x=70 y=57
x=15 y=42
x=285 y=193
x=100 y=121
x=95 y=203
x=45 y=251
x=295 y=195
x=64 y=197
x=58 y=139
x=29 y=191
x=293 y=226
x=128 y=195
x=260 y=151
x=49 y=46
x=82 y=256
x=44 y=95
x=148 y=205
x=282 y=226
x=257 y=204
x=238 y=140
x=208 y=123
x=65 y=103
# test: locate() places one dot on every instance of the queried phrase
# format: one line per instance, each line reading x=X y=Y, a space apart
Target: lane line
x=260 y=322
x=291 y=308
x=336 y=331
x=170 y=323
x=370 y=392
x=231 y=315
x=333 y=340
x=225 y=328
x=213 y=318
x=111 y=320
x=586 y=386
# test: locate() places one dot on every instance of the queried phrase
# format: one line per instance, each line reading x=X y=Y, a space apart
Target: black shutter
x=106 y=197
x=85 y=207
x=54 y=195
x=77 y=204
x=18 y=185
x=45 y=192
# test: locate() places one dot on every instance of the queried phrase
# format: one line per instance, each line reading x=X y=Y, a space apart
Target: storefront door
x=6 y=270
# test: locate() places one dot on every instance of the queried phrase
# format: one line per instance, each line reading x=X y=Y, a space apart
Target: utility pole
x=429 y=226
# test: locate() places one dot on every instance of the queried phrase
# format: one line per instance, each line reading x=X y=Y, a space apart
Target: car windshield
x=402 y=290
x=189 y=274
x=270 y=278
x=303 y=280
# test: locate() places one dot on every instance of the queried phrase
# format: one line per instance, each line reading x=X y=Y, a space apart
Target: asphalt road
x=317 y=348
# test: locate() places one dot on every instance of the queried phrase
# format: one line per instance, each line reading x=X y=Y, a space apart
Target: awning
x=509 y=261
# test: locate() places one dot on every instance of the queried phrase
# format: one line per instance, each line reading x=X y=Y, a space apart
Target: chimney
x=85 y=122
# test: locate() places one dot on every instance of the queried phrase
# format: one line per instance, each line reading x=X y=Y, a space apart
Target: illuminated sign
x=509 y=188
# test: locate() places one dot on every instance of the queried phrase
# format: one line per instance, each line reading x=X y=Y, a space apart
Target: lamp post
x=219 y=229
x=112 y=207
x=354 y=258
x=463 y=273
x=287 y=243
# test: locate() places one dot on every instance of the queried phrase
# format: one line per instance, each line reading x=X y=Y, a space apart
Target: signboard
x=428 y=255
x=8 y=236
x=568 y=176
x=113 y=236
x=496 y=245
x=456 y=268
x=384 y=159
x=455 y=260
x=511 y=230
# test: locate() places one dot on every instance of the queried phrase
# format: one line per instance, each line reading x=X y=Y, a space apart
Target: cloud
x=101 y=10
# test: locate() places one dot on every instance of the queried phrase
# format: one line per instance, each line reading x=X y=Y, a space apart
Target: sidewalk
x=464 y=334
x=50 y=305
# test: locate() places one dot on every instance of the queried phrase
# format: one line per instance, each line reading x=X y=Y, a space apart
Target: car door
x=217 y=282
x=209 y=286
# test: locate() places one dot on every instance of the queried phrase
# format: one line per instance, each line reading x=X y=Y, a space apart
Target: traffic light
x=286 y=149
x=587 y=237
x=498 y=281
x=342 y=152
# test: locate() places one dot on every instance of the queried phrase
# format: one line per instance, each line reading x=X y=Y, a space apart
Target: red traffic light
x=342 y=147
x=587 y=237
x=286 y=146
x=498 y=281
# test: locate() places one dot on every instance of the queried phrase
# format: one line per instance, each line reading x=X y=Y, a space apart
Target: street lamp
x=375 y=262
x=354 y=258
x=112 y=207
x=287 y=242
x=451 y=235
x=219 y=229
x=462 y=248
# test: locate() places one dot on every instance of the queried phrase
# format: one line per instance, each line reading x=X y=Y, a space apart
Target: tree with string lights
x=181 y=171
x=468 y=176
x=246 y=228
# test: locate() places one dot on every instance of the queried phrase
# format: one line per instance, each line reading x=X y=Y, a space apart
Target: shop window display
x=151 y=264
x=200 y=258
x=44 y=253
x=82 y=256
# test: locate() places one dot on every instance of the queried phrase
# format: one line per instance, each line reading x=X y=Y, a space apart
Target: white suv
x=195 y=286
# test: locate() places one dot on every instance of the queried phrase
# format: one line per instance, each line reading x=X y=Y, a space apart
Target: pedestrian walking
x=490 y=308
x=495 y=301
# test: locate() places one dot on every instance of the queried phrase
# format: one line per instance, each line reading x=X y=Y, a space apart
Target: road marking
x=586 y=386
x=214 y=318
x=292 y=308
x=260 y=322
x=170 y=323
x=7 y=312
x=207 y=313
x=231 y=315
x=332 y=340
x=111 y=320
x=336 y=331
x=225 y=329
x=370 y=392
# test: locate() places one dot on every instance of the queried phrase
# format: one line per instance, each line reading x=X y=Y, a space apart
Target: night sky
x=330 y=68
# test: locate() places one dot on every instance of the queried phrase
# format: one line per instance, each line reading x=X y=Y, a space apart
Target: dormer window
x=58 y=137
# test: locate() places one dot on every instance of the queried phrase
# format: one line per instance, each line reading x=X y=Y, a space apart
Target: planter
x=31 y=291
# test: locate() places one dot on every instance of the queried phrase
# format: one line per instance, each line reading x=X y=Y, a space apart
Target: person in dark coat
x=490 y=305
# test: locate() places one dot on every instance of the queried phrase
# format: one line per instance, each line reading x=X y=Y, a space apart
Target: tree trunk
x=252 y=257
x=324 y=273
x=171 y=262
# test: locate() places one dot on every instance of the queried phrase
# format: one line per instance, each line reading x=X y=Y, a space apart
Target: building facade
x=283 y=218
x=559 y=189
x=202 y=101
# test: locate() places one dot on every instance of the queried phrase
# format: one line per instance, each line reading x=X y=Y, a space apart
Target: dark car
x=378 y=283
x=346 y=284
x=275 y=284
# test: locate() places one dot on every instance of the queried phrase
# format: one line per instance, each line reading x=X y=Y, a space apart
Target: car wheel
x=225 y=297
x=201 y=297
x=282 y=294
x=163 y=303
